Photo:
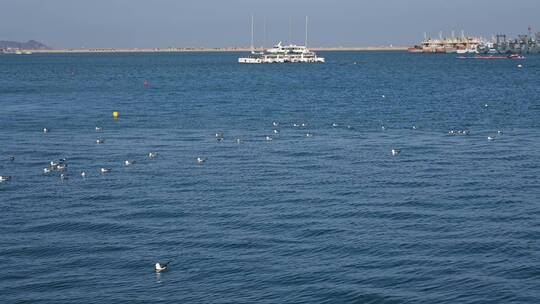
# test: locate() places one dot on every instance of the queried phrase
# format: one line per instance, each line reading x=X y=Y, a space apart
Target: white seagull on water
x=161 y=267
x=220 y=136
x=55 y=163
x=105 y=170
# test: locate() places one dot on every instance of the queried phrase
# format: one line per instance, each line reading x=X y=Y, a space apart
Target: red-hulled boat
x=513 y=56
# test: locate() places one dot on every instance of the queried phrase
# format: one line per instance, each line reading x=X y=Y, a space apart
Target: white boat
x=280 y=53
x=283 y=54
x=471 y=50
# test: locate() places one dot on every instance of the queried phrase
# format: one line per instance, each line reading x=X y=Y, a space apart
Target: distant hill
x=29 y=45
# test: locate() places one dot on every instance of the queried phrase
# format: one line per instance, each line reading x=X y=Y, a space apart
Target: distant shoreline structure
x=225 y=49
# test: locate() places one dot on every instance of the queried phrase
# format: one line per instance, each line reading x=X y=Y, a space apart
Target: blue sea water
x=332 y=218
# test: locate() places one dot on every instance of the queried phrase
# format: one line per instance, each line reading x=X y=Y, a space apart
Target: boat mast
x=290 y=30
x=252 y=43
x=305 y=42
x=264 y=29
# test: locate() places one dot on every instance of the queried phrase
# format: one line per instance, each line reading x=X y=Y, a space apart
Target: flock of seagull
x=60 y=165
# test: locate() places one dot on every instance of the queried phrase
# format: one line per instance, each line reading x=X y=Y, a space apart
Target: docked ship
x=499 y=44
x=280 y=53
x=523 y=44
x=283 y=54
x=460 y=45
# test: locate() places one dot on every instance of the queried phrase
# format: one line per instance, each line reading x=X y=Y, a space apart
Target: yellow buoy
x=116 y=114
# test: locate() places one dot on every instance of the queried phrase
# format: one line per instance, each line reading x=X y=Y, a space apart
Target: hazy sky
x=216 y=23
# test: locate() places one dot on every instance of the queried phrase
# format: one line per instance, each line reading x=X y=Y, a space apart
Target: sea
x=322 y=213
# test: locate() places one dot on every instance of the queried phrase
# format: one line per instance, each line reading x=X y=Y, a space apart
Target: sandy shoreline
x=179 y=50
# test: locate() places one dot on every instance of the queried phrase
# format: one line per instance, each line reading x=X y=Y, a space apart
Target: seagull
x=383 y=128
x=275 y=124
x=414 y=127
x=349 y=127
x=63 y=176
x=58 y=164
x=296 y=125
x=99 y=129
x=486 y=105
x=45 y=130
x=395 y=152
x=304 y=124
x=200 y=160
x=4 y=178
x=129 y=162
x=219 y=135
x=491 y=137
x=499 y=132
x=276 y=132
x=520 y=66
x=161 y=267
x=268 y=138
x=105 y=170
x=335 y=125
x=383 y=96
x=238 y=141
x=12 y=158
x=152 y=155
x=83 y=174
x=100 y=141
x=46 y=170
x=309 y=134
